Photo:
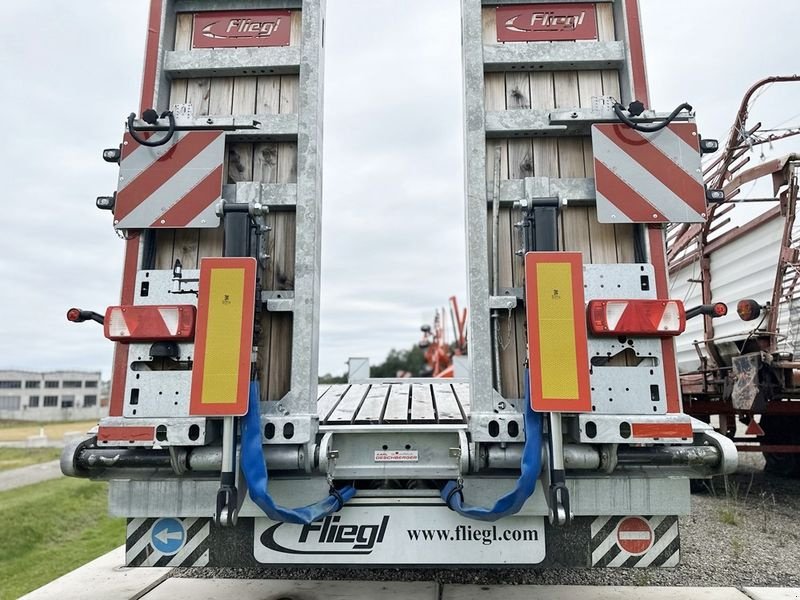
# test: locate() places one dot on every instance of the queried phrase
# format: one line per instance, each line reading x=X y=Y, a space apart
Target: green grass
x=11 y=423
x=51 y=528
x=19 y=431
x=728 y=516
x=13 y=458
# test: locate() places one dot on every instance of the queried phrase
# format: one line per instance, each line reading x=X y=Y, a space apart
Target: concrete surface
x=260 y=589
x=102 y=578
x=23 y=476
x=762 y=593
x=571 y=592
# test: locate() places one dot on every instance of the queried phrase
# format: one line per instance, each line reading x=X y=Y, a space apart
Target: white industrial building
x=51 y=396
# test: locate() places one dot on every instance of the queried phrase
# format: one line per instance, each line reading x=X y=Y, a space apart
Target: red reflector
x=662 y=430
x=720 y=309
x=637 y=317
x=74 y=315
x=150 y=323
x=125 y=434
x=754 y=428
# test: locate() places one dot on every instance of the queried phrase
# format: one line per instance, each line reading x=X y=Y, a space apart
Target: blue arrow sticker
x=167 y=536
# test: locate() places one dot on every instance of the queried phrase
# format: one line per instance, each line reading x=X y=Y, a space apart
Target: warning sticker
x=634 y=541
x=396 y=456
x=634 y=535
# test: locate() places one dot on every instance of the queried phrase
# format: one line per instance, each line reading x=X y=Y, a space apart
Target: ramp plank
x=328 y=401
x=348 y=406
x=447 y=404
x=372 y=407
x=397 y=404
x=422 y=410
x=462 y=395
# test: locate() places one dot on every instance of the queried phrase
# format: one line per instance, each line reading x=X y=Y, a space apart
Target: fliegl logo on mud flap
x=239 y=29
x=332 y=535
x=410 y=534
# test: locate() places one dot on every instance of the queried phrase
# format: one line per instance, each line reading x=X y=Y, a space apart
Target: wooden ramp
x=394 y=403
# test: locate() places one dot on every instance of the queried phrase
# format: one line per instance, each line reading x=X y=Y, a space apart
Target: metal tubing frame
x=108 y=463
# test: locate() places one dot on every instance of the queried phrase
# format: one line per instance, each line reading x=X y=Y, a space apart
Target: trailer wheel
x=781 y=430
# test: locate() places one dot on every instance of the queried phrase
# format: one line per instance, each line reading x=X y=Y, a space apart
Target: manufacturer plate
x=242 y=29
x=183 y=112
x=396 y=456
x=546 y=22
x=401 y=535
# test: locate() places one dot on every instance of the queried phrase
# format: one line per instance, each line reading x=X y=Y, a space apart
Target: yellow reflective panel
x=223 y=337
x=559 y=360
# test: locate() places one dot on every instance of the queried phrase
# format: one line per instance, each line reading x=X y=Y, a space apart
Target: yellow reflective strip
x=223 y=336
x=559 y=361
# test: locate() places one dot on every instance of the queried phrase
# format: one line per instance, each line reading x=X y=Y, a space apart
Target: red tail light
x=637 y=317
x=150 y=323
x=720 y=309
x=748 y=310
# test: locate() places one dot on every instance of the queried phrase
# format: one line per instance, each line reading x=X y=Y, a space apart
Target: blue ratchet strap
x=255 y=473
x=531 y=465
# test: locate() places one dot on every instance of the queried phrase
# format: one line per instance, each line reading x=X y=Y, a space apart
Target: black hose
x=639 y=244
x=153 y=143
x=618 y=110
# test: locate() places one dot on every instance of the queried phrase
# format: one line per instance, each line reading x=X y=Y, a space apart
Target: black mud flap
x=621 y=541
x=168 y=542
x=635 y=541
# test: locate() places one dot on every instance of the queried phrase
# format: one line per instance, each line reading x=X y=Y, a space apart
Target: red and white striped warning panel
x=635 y=541
x=171 y=186
x=648 y=177
x=149 y=323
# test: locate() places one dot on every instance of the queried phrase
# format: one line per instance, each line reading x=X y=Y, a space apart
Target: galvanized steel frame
x=622 y=494
x=484 y=398
x=487 y=403
x=302 y=400
x=299 y=405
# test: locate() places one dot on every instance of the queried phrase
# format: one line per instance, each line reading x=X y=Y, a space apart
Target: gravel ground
x=748 y=535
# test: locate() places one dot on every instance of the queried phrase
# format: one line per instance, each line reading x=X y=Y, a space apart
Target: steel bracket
x=604 y=114
x=280 y=426
x=617 y=429
x=503 y=302
x=281 y=301
x=504 y=424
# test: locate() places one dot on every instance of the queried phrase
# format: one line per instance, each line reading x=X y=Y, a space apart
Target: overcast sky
x=393 y=244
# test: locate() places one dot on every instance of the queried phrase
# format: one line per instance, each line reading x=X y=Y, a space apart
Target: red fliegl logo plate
x=546 y=22
x=242 y=29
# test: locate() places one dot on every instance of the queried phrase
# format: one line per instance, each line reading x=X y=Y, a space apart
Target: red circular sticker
x=634 y=535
